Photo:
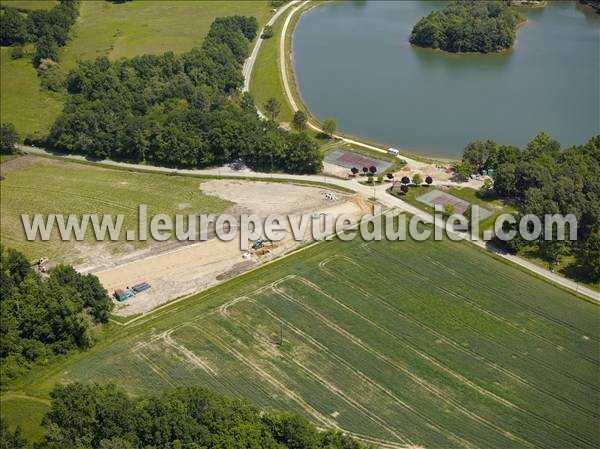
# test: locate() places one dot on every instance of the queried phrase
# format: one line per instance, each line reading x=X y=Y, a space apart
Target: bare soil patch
x=189 y=268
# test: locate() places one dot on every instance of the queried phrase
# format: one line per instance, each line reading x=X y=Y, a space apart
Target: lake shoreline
x=432 y=143
x=424 y=156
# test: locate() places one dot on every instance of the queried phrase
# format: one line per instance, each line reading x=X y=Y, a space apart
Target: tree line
x=103 y=416
x=542 y=179
x=47 y=29
x=178 y=110
x=468 y=26
x=41 y=317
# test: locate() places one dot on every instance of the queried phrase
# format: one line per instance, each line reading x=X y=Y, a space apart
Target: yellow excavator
x=261 y=247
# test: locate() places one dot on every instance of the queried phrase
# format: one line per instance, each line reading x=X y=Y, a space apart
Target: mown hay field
x=36 y=185
x=434 y=344
x=128 y=29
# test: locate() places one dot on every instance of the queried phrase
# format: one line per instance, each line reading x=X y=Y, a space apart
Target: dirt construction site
x=189 y=268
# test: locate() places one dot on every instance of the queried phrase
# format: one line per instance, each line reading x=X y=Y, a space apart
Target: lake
x=353 y=62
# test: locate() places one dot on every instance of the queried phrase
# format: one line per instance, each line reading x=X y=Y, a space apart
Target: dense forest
x=41 y=317
x=542 y=179
x=93 y=416
x=468 y=26
x=47 y=29
x=178 y=110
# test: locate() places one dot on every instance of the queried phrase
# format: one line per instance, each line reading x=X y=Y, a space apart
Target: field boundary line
x=190 y=355
x=164 y=376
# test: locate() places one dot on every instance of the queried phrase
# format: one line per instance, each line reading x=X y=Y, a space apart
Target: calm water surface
x=353 y=62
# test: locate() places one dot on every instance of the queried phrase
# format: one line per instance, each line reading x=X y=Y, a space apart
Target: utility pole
x=280 y=334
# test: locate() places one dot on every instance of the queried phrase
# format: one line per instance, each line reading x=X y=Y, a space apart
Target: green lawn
x=266 y=76
x=141 y=26
x=19 y=409
x=436 y=344
x=39 y=185
x=23 y=101
x=29 y=4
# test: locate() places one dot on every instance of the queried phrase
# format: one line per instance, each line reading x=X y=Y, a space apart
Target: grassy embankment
x=437 y=343
x=266 y=76
x=267 y=83
x=113 y=30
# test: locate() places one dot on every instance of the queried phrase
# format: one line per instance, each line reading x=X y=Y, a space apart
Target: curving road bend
x=249 y=64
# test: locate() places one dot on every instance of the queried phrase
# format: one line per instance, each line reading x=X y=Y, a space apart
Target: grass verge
x=266 y=75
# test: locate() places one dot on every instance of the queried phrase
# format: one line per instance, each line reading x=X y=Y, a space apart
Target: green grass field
x=113 y=30
x=38 y=185
x=266 y=77
x=23 y=101
x=19 y=409
x=29 y=4
x=142 y=26
x=435 y=344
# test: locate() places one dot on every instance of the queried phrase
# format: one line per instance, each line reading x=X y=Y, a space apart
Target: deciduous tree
x=329 y=126
x=272 y=108
x=299 y=121
x=8 y=138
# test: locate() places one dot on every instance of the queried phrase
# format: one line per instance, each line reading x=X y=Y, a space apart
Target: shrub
x=267 y=32
x=17 y=52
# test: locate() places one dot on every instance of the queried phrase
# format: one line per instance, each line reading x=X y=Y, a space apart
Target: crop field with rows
x=432 y=344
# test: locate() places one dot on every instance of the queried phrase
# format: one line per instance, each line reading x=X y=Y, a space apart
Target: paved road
x=377 y=191
x=249 y=64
